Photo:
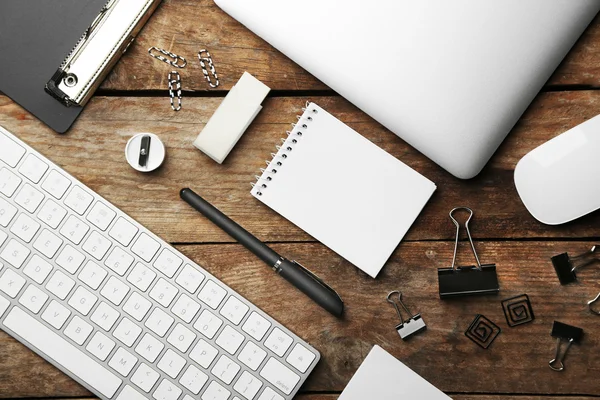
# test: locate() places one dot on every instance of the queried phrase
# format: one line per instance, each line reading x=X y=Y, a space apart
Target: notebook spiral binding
x=283 y=151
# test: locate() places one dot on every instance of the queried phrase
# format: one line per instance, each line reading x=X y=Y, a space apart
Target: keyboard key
x=79 y=200
x=123 y=362
x=248 y=385
x=163 y=292
x=25 y=228
x=97 y=245
x=181 y=338
x=56 y=314
x=9 y=182
x=92 y=275
x=141 y=277
x=37 y=269
x=149 y=347
x=159 y=322
x=52 y=214
x=190 y=278
x=56 y=184
x=168 y=263
x=82 y=300
x=101 y=216
x=63 y=353
x=193 y=379
x=300 y=358
x=252 y=356
x=234 y=310
x=130 y=393
x=119 y=261
x=123 y=231
x=127 y=332
x=280 y=376
x=225 y=369
x=230 y=340
x=15 y=253
x=29 y=198
x=171 y=363
x=208 y=324
x=115 y=291
x=167 y=391
x=7 y=212
x=70 y=259
x=212 y=294
x=137 y=306
x=204 y=354
x=11 y=283
x=100 y=346
x=145 y=247
x=33 y=168
x=60 y=285
x=270 y=394
x=186 y=308
x=33 y=299
x=74 y=229
x=214 y=391
x=145 y=378
x=47 y=243
x=278 y=342
x=10 y=152
x=78 y=330
x=105 y=316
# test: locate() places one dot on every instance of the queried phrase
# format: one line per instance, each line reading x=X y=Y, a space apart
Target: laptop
x=451 y=78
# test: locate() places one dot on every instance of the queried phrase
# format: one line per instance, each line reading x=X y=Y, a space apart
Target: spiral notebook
x=343 y=190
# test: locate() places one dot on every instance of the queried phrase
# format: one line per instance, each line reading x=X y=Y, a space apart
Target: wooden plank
x=94 y=151
x=185 y=27
x=515 y=363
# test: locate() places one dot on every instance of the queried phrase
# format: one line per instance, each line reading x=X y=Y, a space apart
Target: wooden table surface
x=134 y=99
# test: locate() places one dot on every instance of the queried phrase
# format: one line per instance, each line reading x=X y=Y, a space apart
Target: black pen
x=293 y=272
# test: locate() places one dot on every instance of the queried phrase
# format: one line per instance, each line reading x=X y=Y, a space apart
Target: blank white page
x=381 y=376
x=343 y=190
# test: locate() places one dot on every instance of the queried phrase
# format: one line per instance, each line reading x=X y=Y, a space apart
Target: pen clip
x=319 y=280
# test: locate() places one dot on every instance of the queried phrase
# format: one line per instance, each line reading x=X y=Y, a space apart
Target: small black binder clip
x=407 y=327
x=568 y=333
x=566 y=266
x=144 y=151
x=467 y=280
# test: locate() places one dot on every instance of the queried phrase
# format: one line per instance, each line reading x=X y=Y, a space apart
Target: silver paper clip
x=410 y=326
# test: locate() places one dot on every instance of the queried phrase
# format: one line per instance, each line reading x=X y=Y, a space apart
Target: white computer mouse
x=560 y=180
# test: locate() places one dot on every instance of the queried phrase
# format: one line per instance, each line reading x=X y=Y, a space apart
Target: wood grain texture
x=93 y=151
x=517 y=362
x=186 y=26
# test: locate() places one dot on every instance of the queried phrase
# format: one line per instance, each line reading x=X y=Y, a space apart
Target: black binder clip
x=467 y=280
x=566 y=266
x=407 y=327
x=569 y=333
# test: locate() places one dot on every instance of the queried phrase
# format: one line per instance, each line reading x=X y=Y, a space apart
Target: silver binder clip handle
x=412 y=324
x=556 y=364
x=451 y=214
x=591 y=304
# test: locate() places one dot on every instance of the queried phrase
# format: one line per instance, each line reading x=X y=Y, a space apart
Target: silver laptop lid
x=449 y=77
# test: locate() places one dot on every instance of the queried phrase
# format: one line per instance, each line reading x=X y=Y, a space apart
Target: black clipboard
x=35 y=38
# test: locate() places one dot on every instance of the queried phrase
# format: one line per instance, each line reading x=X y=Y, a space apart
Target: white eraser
x=233 y=116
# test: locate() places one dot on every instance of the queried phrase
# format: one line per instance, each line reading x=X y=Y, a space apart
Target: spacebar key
x=62 y=352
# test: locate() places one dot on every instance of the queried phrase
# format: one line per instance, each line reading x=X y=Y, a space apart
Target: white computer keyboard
x=118 y=309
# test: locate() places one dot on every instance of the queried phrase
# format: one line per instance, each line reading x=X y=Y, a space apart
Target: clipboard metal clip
x=467 y=280
x=98 y=50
